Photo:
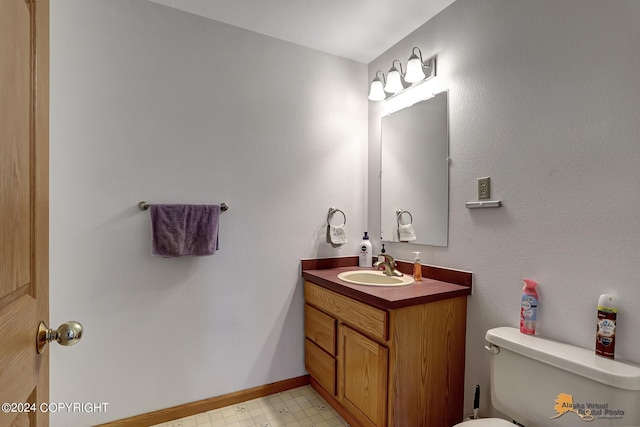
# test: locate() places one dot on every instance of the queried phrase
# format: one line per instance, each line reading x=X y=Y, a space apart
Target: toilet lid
x=486 y=422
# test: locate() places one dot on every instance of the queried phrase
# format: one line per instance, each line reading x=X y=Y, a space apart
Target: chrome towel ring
x=333 y=211
x=400 y=212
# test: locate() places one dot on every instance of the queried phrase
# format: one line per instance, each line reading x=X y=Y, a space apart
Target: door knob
x=68 y=333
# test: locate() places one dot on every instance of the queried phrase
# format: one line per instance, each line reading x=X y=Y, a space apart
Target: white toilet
x=538 y=382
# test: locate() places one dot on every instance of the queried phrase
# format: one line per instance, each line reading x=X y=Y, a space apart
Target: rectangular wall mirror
x=415 y=171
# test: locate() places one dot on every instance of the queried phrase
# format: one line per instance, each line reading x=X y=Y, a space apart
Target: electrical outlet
x=484 y=188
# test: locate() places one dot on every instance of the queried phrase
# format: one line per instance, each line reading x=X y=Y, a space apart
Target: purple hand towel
x=184 y=230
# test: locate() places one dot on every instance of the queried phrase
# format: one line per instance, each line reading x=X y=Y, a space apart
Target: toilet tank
x=540 y=382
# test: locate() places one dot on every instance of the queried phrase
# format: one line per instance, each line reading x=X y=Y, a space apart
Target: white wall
x=148 y=103
x=544 y=98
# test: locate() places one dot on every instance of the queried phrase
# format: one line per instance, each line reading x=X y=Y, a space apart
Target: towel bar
x=143 y=206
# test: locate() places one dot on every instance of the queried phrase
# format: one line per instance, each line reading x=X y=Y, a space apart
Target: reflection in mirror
x=415 y=173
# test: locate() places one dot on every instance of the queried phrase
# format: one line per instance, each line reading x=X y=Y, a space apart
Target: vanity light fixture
x=415 y=75
x=394 y=78
x=376 y=92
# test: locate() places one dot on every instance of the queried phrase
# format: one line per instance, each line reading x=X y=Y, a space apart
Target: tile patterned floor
x=299 y=407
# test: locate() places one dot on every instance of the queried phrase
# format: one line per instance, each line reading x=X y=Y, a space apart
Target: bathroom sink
x=374 y=278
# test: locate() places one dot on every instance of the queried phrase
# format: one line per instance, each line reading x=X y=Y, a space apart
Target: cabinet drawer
x=321 y=366
x=320 y=328
x=369 y=320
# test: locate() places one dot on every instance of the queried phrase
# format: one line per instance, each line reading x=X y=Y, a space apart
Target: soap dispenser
x=417 y=268
x=366 y=257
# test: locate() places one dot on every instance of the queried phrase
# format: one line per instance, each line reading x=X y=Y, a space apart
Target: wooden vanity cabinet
x=399 y=367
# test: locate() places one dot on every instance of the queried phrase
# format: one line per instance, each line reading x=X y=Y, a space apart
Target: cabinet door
x=362 y=370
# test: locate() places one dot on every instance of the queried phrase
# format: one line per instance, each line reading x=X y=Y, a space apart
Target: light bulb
x=376 y=92
x=414 y=70
x=394 y=83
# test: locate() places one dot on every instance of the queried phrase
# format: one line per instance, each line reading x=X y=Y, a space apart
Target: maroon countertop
x=386 y=297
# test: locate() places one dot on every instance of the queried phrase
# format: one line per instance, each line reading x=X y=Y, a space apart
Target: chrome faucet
x=389 y=265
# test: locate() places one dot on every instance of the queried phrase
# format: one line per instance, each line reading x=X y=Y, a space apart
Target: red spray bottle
x=528 y=307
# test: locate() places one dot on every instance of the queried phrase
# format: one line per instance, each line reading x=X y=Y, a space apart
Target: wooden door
x=363 y=371
x=24 y=209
